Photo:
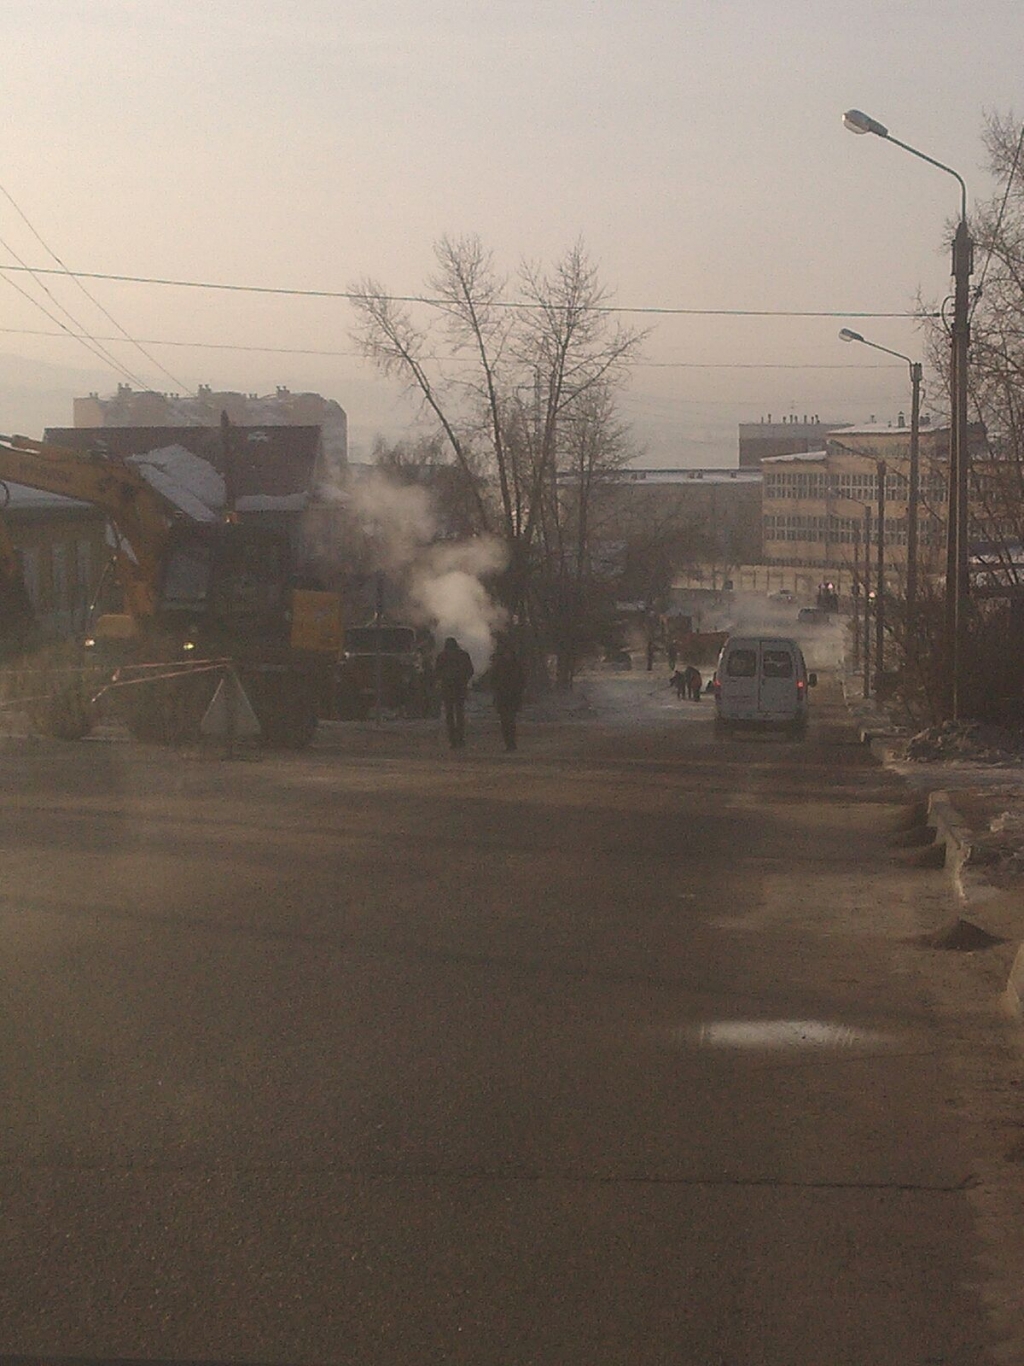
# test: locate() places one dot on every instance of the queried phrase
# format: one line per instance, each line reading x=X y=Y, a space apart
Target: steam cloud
x=442 y=581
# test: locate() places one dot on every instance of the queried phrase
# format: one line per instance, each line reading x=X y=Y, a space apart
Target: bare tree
x=523 y=393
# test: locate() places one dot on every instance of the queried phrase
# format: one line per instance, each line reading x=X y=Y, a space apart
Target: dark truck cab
x=402 y=658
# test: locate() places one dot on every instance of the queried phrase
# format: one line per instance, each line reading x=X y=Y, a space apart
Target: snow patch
x=185 y=479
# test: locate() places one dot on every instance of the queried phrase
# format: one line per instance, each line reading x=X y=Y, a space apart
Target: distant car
x=812 y=616
x=622 y=659
x=783 y=595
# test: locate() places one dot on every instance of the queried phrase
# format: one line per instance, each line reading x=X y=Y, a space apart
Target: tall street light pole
x=957 y=576
x=914 y=476
x=880 y=603
x=867 y=600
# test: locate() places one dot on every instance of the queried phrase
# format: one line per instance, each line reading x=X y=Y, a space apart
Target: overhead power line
x=316 y=351
x=350 y=295
x=71 y=275
x=94 y=347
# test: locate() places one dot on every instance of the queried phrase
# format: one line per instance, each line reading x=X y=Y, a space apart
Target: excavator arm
x=139 y=516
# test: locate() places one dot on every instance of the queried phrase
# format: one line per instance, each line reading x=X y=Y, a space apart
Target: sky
x=696 y=148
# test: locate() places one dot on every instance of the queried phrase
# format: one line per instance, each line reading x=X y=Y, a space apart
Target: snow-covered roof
x=270 y=469
x=729 y=475
x=799 y=457
x=666 y=475
x=886 y=428
x=185 y=479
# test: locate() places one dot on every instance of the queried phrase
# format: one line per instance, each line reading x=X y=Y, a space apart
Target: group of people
x=687 y=683
x=453 y=670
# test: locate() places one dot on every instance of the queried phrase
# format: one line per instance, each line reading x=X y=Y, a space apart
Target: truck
x=186 y=597
x=385 y=663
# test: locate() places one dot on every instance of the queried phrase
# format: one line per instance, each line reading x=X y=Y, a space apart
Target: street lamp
x=957 y=580
x=874 y=596
x=847 y=335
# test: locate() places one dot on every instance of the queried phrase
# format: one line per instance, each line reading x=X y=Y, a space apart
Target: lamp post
x=874 y=596
x=868 y=595
x=880 y=604
x=914 y=479
x=957 y=579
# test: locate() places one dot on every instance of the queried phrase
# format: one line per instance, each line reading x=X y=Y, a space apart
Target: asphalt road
x=610 y=1051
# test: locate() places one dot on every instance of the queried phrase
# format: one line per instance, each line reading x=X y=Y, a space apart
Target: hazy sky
x=696 y=147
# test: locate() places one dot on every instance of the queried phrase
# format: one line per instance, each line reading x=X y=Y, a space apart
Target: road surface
x=615 y=1050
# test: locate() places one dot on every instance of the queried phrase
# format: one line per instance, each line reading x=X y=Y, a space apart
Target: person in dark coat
x=508 y=683
x=678 y=681
x=452 y=671
x=693 y=683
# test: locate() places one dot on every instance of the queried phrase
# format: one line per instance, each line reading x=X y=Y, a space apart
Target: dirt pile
x=976 y=741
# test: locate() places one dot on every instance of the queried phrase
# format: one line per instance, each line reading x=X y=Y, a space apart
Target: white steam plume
x=442 y=580
x=445 y=583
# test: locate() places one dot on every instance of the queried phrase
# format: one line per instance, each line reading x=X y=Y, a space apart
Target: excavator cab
x=226 y=583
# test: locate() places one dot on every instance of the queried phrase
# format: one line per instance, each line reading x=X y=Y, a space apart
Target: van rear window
x=777 y=664
x=741 y=664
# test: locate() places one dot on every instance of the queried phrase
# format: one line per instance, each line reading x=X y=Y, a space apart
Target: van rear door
x=739 y=681
x=777 y=692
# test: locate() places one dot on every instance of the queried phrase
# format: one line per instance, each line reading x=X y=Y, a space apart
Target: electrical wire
x=352 y=295
x=72 y=276
x=312 y=351
x=81 y=334
x=86 y=341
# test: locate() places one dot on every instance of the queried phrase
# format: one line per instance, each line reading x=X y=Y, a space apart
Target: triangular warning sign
x=230 y=715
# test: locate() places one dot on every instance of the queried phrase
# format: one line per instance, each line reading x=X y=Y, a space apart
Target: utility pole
x=378 y=660
x=913 y=494
x=958 y=587
x=855 y=593
x=880 y=599
x=867 y=601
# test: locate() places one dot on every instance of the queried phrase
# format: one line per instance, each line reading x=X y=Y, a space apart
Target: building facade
x=766 y=439
x=820 y=508
x=717 y=510
x=61 y=548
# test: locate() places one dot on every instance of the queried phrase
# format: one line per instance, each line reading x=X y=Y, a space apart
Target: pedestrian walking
x=508 y=683
x=693 y=683
x=452 y=672
x=678 y=681
x=673 y=655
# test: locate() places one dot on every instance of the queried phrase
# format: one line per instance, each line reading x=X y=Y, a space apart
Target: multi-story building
x=717 y=511
x=819 y=508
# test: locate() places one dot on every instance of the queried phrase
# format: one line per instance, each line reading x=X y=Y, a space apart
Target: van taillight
x=800 y=686
x=716 y=683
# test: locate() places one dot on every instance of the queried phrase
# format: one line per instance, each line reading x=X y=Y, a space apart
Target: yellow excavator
x=192 y=599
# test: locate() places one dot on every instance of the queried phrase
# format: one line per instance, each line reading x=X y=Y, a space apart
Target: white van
x=762 y=680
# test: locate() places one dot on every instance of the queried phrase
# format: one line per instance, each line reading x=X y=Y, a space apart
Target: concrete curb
x=995 y=910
